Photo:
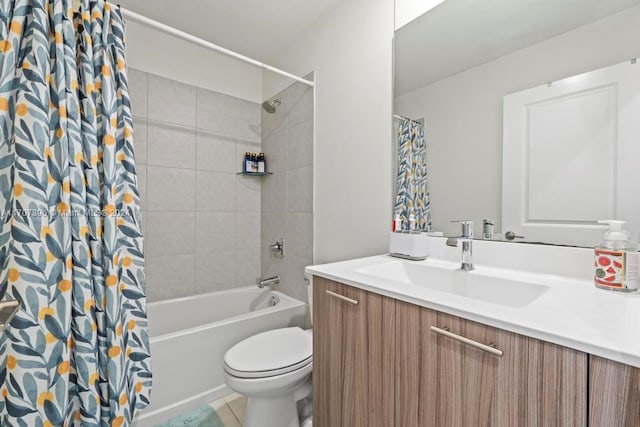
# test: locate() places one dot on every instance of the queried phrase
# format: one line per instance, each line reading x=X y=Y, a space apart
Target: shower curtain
x=412 y=195
x=71 y=250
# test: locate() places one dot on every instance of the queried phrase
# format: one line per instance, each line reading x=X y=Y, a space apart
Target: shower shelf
x=255 y=173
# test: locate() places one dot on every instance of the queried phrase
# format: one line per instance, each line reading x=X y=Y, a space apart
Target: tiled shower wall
x=202 y=221
x=287 y=195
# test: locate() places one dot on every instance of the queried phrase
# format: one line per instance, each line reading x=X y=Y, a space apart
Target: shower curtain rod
x=141 y=19
x=397 y=116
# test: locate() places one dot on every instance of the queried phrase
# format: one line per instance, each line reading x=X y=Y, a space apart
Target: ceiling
x=460 y=34
x=255 y=28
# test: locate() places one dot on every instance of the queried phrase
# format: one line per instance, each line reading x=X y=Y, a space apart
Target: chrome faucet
x=278 y=248
x=269 y=282
x=467 y=239
x=487 y=229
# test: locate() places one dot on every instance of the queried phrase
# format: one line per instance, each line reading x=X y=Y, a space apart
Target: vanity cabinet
x=463 y=380
x=614 y=394
x=354 y=356
x=382 y=362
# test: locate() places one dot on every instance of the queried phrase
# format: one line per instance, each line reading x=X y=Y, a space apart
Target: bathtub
x=189 y=337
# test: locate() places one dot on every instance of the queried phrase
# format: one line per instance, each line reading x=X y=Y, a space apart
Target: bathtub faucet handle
x=269 y=282
x=278 y=248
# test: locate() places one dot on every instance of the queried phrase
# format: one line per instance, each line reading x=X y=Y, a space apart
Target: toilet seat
x=270 y=353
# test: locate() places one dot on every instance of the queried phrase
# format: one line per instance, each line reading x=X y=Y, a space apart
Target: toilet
x=273 y=369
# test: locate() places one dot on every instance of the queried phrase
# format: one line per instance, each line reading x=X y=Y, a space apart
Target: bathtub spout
x=269 y=282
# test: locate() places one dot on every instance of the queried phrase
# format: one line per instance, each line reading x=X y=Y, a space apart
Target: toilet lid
x=270 y=353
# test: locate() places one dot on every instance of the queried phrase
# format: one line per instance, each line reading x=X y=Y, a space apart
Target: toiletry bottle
x=396 y=223
x=254 y=162
x=412 y=223
x=616 y=260
x=262 y=165
x=246 y=164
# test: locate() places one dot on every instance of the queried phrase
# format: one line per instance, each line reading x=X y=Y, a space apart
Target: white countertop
x=572 y=313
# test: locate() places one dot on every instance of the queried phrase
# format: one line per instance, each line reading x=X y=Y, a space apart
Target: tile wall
x=287 y=195
x=202 y=221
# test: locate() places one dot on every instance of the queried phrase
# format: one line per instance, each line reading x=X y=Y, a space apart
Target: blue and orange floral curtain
x=77 y=353
x=412 y=195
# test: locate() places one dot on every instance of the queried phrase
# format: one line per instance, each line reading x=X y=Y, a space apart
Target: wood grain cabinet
x=354 y=356
x=614 y=394
x=382 y=362
x=455 y=372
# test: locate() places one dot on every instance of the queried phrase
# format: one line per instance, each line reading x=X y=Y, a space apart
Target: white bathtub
x=189 y=337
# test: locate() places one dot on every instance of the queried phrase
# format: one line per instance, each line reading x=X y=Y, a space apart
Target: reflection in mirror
x=411 y=205
x=454 y=66
x=570 y=156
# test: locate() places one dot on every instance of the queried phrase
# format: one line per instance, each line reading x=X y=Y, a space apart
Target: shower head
x=270 y=106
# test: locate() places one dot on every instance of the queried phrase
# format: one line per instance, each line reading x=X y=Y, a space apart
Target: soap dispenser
x=616 y=259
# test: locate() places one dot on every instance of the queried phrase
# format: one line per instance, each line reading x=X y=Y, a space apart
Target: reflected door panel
x=570 y=156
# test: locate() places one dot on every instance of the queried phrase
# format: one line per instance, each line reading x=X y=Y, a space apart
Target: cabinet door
x=444 y=381
x=354 y=356
x=614 y=394
x=539 y=383
x=441 y=381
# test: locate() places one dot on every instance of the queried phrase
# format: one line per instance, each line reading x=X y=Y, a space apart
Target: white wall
x=463 y=113
x=350 y=51
x=408 y=10
x=158 y=53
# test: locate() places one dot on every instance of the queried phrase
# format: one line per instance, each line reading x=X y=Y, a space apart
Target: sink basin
x=491 y=285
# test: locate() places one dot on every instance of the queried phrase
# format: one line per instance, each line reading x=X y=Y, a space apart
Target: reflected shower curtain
x=70 y=233
x=412 y=195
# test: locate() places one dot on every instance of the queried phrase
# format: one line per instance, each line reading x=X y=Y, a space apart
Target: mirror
x=456 y=65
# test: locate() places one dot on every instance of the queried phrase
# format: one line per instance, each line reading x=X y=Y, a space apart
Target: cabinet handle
x=342 y=297
x=488 y=348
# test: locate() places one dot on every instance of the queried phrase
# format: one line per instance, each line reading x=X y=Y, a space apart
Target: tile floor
x=230 y=409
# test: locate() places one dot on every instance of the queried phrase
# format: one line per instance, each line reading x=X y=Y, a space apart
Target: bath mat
x=201 y=417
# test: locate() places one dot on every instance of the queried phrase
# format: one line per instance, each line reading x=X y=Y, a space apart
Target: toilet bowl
x=273 y=369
